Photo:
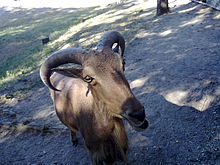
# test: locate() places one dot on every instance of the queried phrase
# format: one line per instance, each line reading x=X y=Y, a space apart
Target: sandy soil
x=173 y=67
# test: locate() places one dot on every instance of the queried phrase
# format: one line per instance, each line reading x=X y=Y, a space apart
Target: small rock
x=26 y=122
x=45 y=40
x=9 y=96
x=56 y=163
x=45 y=128
x=13 y=115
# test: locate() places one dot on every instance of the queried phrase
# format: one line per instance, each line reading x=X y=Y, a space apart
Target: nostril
x=138 y=115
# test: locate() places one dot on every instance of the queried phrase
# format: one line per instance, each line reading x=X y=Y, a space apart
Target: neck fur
x=110 y=142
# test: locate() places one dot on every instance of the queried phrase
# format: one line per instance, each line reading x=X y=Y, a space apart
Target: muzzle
x=136 y=120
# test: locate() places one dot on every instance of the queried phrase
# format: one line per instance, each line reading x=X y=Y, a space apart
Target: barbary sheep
x=93 y=99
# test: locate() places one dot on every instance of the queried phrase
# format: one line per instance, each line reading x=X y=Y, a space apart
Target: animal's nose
x=140 y=116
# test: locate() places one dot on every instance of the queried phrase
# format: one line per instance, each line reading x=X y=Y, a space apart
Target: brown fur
x=95 y=109
x=93 y=100
x=104 y=134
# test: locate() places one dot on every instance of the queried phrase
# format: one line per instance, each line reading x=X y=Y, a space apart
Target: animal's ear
x=117 y=49
x=69 y=72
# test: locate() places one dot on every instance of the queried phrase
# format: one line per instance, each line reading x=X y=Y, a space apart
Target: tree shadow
x=177 y=134
x=176 y=58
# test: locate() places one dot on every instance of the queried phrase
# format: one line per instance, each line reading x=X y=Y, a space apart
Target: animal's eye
x=88 y=79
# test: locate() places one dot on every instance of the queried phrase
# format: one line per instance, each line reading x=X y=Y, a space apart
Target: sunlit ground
x=56 y=3
x=75 y=3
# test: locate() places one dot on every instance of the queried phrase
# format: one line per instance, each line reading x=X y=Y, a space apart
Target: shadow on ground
x=172 y=65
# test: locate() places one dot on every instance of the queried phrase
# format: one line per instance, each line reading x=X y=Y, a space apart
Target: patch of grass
x=21 y=50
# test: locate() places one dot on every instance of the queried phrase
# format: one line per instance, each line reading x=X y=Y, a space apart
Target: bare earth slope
x=173 y=65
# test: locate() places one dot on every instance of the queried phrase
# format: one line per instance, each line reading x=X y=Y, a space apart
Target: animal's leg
x=107 y=163
x=102 y=163
x=73 y=138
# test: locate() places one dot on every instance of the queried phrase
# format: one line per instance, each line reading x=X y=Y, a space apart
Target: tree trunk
x=162 y=7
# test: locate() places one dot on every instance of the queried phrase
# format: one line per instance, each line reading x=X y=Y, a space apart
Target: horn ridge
x=109 y=38
x=65 y=56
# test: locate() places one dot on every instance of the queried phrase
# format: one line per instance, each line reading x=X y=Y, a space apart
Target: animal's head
x=103 y=70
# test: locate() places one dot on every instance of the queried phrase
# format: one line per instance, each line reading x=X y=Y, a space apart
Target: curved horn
x=109 y=38
x=69 y=55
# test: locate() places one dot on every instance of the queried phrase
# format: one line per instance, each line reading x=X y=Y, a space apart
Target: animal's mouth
x=137 y=125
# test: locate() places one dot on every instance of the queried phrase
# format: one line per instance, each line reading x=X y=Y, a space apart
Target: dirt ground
x=173 y=66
